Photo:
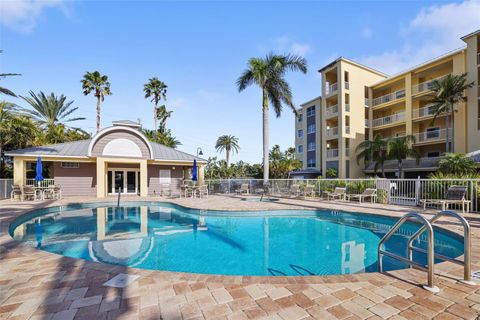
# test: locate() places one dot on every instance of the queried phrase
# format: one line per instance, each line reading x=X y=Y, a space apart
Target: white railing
x=397 y=117
x=347 y=152
x=5 y=188
x=399 y=94
x=347 y=85
x=331 y=111
x=332 y=88
x=44 y=183
x=367 y=102
x=425 y=86
x=332 y=153
x=367 y=123
x=407 y=192
x=347 y=129
x=347 y=107
x=332 y=132
x=433 y=135
x=426 y=111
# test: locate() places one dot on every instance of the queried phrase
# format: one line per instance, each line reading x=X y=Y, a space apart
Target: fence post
x=471 y=195
x=417 y=191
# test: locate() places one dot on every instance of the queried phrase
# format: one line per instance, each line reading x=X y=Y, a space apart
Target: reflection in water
x=168 y=237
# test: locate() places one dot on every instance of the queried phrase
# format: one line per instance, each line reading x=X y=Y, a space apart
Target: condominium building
x=359 y=102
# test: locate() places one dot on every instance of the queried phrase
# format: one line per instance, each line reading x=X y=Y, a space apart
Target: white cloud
x=367 y=33
x=22 y=15
x=434 y=31
x=286 y=44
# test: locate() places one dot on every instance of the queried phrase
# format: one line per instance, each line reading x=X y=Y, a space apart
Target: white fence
x=5 y=188
x=408 y=192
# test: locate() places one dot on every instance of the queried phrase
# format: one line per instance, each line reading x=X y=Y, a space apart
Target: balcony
x=331 y=111
x=425 y=86
x=427 y=111
x=332 y=153
x=331 y=132
x=432 y=136
x=399 y=94
x=347 y=85
x=347 y=129
x=367 y=123
x=367 y=102
x=347 y=152
x=331 y=89
x=347 y=107
x=394 y=118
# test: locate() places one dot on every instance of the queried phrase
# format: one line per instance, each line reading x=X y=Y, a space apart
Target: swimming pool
x=164 y=236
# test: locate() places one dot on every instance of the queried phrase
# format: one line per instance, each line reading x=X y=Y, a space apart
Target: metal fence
x=409 y=192
x=5 y=188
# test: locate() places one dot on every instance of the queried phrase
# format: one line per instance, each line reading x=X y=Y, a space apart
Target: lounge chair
x=203 y=191
x=53 y=192
x=294 y=190
x=367 y=193
x=29 y=192
x=455 y=195
x=309 y=191
x=16 y=191
x=244 y=188
x=338 y=193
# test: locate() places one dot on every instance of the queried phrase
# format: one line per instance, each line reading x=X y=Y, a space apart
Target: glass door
x=131 y=182
x=119 y=181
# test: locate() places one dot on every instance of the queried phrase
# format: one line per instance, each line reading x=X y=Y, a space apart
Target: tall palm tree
x=51 y=113
x=228 y=143
x=448 y=92
x=400 y=148
x=99 y=85
x=166 y=138
x=269 y=74
x=373 y=150
x=5 y=90
x=157 y=90
x=162 y=115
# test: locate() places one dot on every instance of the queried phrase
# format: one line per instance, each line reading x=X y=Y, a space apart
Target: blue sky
x=200 y=48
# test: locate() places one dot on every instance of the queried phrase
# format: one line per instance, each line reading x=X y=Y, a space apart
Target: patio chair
x=294 y=190
x=309 y=191
x=53 y=192
x=455 y=195
x=29 y=192
x=203 y=191
x=16 y=191
x=367 y=193
x=244 y=188
x=338 y=193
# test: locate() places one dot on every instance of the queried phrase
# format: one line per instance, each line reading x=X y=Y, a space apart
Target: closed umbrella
x=39 y=176
x=194 y=171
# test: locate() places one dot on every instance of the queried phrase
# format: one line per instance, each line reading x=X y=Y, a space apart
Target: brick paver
x=38 y=285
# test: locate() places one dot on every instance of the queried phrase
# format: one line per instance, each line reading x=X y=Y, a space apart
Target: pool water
x=163 y=236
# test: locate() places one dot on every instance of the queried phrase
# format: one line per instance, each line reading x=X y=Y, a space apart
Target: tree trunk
x=227 y=151
x=447 y=134
x=155 y=116
x=400 y=163
x=453 y=131
x=265 y=137
x=383 y=170
x=98 y=114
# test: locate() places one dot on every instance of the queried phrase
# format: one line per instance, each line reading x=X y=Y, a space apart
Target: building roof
x=310 y=101
x=128 y=123
x=355 y=64
x=470 y=34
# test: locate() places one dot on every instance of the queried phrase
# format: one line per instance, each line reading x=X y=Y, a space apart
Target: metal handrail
x=467 y=242
x=430 y=253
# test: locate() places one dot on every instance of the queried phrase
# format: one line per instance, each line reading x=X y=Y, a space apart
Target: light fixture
x=199 y=152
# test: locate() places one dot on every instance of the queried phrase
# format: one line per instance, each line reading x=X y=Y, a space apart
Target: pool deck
x=39 y=285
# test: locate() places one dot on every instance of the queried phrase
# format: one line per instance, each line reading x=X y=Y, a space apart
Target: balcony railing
x=426 y=111
x=332 y=153
x=399 y=94
x=397 y=117
x=347 y=129
x=332 y=88
x=347 y=152
x=425 y=86
x=347 y=85
x=367 y=123
x=433 y=135
x=332 y=132
x=367 y=102
x=331 y=111
x=347 y=107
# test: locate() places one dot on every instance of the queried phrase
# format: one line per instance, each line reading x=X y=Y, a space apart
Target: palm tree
x=373 y=150
x=448 y=92
x=457 y=164
x=162 y=115
x=51 y=112
x=164 y=138
x=99 y=85
x=269 y=74
x=228 y=143
x=5 y=90
x=157 y=90
x=400 y=148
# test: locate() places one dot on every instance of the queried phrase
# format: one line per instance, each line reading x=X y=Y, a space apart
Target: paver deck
x=39 y=285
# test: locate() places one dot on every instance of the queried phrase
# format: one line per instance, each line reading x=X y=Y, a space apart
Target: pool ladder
x=427 y=225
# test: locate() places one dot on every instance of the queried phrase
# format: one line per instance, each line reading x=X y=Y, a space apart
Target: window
x=311 y=128
x=311 y=146
x=300 y=117
x=300 y=133
x=70 y=165
x=311 y=111
x=433 y=154
x=433 y=133
x=165 y=176
x=300 y=148
x=311 y=163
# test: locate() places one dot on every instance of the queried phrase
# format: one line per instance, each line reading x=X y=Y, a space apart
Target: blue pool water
x=162 y=236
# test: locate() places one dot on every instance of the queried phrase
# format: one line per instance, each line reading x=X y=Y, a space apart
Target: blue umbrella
x=194 y=171
x=39 y=176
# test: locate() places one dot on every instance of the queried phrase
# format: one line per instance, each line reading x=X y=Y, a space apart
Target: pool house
x=117 y=158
